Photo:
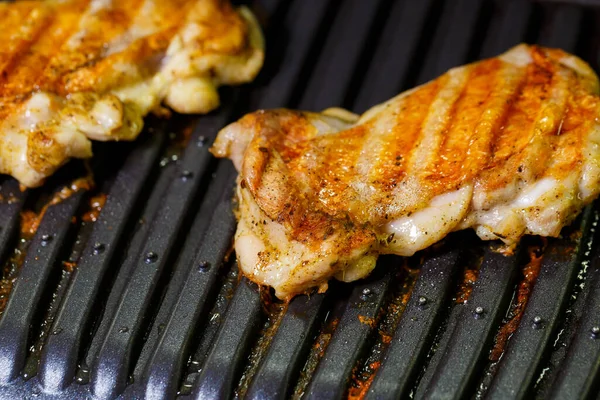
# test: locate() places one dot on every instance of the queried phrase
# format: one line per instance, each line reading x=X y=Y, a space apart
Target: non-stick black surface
x=147 y=302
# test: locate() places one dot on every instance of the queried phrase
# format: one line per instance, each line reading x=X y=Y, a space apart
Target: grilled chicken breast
x=76 y=70
x=508 y=146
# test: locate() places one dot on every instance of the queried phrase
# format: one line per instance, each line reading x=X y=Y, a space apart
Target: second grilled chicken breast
x=76 y=70
x=508 y=146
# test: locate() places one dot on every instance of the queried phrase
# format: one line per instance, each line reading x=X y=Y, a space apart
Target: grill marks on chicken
x=507 y=146
x=76 y=70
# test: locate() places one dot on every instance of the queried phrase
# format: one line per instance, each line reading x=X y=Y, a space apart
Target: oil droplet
x=201 y=141
x=203 y=266
x=151 y=257
x=99 y=248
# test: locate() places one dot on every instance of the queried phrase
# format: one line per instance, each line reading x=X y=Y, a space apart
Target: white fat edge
x=327 y=122
x=40 y=108
x=518 y=55
x=532 y=196
x=500 y=222
x=146 y=94
x=554 y=207
x=108 y=113
x=540 y=208
x=192 y=95
x=347 y=116
x=484 y=199
x=429 y=225
x=357 y=269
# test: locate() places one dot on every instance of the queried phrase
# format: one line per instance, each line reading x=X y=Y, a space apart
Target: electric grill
x=144 y=300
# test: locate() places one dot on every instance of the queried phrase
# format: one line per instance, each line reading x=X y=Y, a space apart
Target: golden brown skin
x=508 y=146
x=77 y=69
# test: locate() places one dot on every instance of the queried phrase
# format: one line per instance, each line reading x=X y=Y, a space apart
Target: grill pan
x=143 y=299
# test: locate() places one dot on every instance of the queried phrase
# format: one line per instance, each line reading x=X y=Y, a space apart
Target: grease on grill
x=403 y=284
x=69 y=266
x=11 y=270
x=96 y=204
x=316 y=353
x=181 y=137
x=359 y=391
x=29 y=224
x=30 y=220
x=465 y=285
x=11 y=199
x=530 y=274
x=275 y=311
x=228 y=279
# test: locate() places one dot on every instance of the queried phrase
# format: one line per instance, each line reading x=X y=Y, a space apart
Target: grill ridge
x=75 y=308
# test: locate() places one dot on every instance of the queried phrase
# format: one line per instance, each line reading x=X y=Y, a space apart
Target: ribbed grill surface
x=146 y=301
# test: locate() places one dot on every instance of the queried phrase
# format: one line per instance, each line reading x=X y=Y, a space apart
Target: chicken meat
x=75 y=70
x=508 y=146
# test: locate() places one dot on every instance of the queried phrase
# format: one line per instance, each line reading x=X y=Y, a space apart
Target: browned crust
x=306 y=181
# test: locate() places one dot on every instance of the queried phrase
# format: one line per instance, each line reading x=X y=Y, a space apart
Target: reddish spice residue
x=30 y=221
x=182 y=133
x=69 y=266
x=316 y=353
x=275 y=313
x=96 y=205
x=385 y=323
x=530 y=274
x=385 y=338
x=359 y=391
x=323 y=340
x=367 y=320
x=466 y=285
x=406 y=297
x=186 y=134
